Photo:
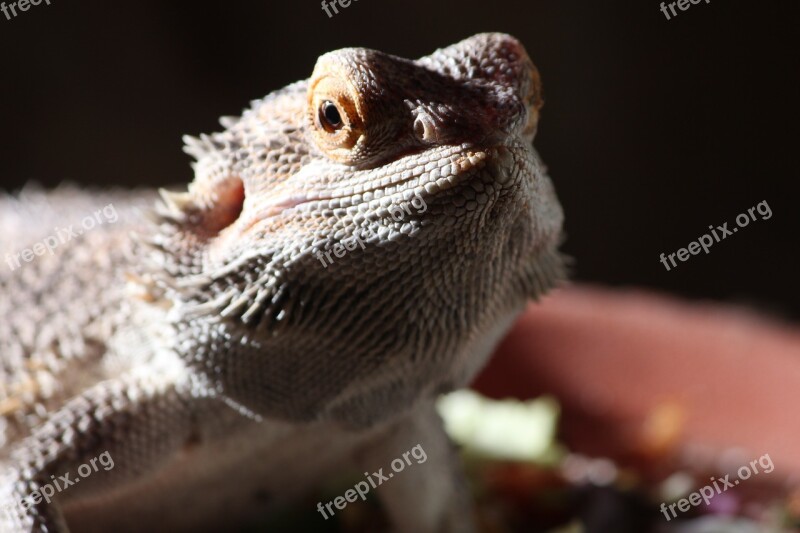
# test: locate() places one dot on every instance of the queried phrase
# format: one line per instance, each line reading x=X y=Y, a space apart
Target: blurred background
x=652 y=129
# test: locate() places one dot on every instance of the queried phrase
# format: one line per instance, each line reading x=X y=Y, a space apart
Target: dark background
x=652 y=129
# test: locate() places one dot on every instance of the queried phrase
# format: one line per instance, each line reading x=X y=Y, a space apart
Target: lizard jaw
x=319 y=188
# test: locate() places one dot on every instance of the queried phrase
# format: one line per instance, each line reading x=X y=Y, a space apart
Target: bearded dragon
x=199 y=343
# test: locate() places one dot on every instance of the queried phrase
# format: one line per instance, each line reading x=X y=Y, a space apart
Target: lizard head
x=361 y=239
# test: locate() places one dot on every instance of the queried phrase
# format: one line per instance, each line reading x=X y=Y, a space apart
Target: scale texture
x=351 y=247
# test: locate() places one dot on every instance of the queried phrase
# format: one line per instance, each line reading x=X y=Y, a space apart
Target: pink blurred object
x=652 y=381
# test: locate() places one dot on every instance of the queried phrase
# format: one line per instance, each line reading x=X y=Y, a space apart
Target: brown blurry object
x=652 y=381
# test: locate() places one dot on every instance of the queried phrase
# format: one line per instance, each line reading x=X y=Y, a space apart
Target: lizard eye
x=329 y=116
x=334 y=113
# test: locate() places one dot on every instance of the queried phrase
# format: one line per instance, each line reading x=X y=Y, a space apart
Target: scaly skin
x=214 y=352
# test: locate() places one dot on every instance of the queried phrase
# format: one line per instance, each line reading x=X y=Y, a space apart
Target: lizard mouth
x=327 y=187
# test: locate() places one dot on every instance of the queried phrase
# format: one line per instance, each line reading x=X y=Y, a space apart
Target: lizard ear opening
x=229 y=204
x=217 y=204
x=334 y=115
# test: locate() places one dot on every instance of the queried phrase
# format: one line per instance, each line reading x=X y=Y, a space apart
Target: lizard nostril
x=425 y=129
